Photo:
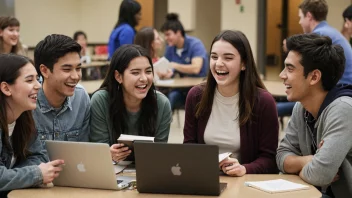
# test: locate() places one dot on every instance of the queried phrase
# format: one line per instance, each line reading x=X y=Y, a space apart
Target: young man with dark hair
x=63 y=109
x=187 y=55
x=317 y=144
x=312 y=14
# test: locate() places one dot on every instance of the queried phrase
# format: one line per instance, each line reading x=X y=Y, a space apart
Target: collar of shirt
x=44 y=105
x=321 y=24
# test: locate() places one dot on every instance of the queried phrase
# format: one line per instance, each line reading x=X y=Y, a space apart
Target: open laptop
x=178 y=168
x=87 y=165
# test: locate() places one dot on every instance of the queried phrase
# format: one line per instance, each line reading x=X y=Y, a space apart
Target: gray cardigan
x=335 y=128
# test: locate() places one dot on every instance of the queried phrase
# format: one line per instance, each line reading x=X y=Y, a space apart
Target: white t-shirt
x=179 y=51
x=223 y=125
x=11 y=128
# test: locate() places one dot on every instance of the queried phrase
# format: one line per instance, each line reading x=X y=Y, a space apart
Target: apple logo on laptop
x=81 y=167
x=176 y=170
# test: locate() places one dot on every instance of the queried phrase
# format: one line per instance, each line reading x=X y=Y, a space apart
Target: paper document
x=223 y=156
x=162 y=65
x=276 y=186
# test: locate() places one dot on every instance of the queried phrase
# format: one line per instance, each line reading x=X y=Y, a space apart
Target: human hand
x=119 y=152
x=51 y=170
x=232 y=167
x=165 y=75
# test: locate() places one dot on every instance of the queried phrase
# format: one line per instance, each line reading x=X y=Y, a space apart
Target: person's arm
x=18 y=178
x=26 y=173
x=268 y=137
x=190 y=127
x=84 y=133
x=336 y=136
x=289 y=157
x=99 y=131
x=193 y=68
x=38 y=154
x=197 y=60
x=162 y=134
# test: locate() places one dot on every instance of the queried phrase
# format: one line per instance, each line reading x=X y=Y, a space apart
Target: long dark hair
x=117 y=108
x=145 y=38
x=249 y=78
x=7 y=21
x=127 y=13
x=24 y=130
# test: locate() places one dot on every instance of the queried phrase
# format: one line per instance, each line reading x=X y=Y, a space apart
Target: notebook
x=276 y=186
x=128 y=140
x=87 y=165
x=179 y=168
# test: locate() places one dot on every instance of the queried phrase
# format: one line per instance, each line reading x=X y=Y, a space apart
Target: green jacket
x=101 y=126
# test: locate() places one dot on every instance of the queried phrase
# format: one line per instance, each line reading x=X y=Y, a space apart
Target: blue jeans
x=284 y=108
x=177 y=98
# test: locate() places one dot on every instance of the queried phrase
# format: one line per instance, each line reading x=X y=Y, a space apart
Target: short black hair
x=347 y=13
x=53 y=47
x=318 y=52
x=79 y=33
x=173 y=23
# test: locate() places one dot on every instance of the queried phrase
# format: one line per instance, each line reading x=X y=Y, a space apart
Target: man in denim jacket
x=24 y=174
x=63 y=109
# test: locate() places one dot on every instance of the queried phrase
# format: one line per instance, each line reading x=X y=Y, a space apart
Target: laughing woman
x=23 y=160
x=233 y=110
x=10 y=36
x=127 y=102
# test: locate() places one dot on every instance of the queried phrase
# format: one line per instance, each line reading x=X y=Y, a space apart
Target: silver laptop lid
x=177 y=168
x=87 y=165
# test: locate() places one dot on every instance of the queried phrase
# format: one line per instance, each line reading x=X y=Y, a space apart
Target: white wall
x=40 y=18
x=335 y=12
x=186 y=9
x=98 y=19
x=233 y=19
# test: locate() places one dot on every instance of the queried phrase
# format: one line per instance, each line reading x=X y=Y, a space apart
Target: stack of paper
x=162 y=65
x=276 y=186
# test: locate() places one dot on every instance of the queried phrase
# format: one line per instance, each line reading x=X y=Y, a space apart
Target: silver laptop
x=87 y=165
x=178 y=168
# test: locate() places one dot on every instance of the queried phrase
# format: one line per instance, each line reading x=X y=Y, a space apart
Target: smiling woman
x=127 y=102
x=10 y=35
x=233 y=110
x=22 y=157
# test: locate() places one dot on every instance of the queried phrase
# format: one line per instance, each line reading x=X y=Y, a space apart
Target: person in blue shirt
x=312 y=18
x=124 y=30
x=63 y=106
x=187 y=55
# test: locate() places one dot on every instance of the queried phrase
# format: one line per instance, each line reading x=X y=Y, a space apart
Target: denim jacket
x=70 y=123
x=23 y=174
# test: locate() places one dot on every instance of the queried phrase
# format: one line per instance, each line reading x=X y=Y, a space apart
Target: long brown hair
x=7 y=21
x=24 y=130
x=145 y=38
x=249 y=78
